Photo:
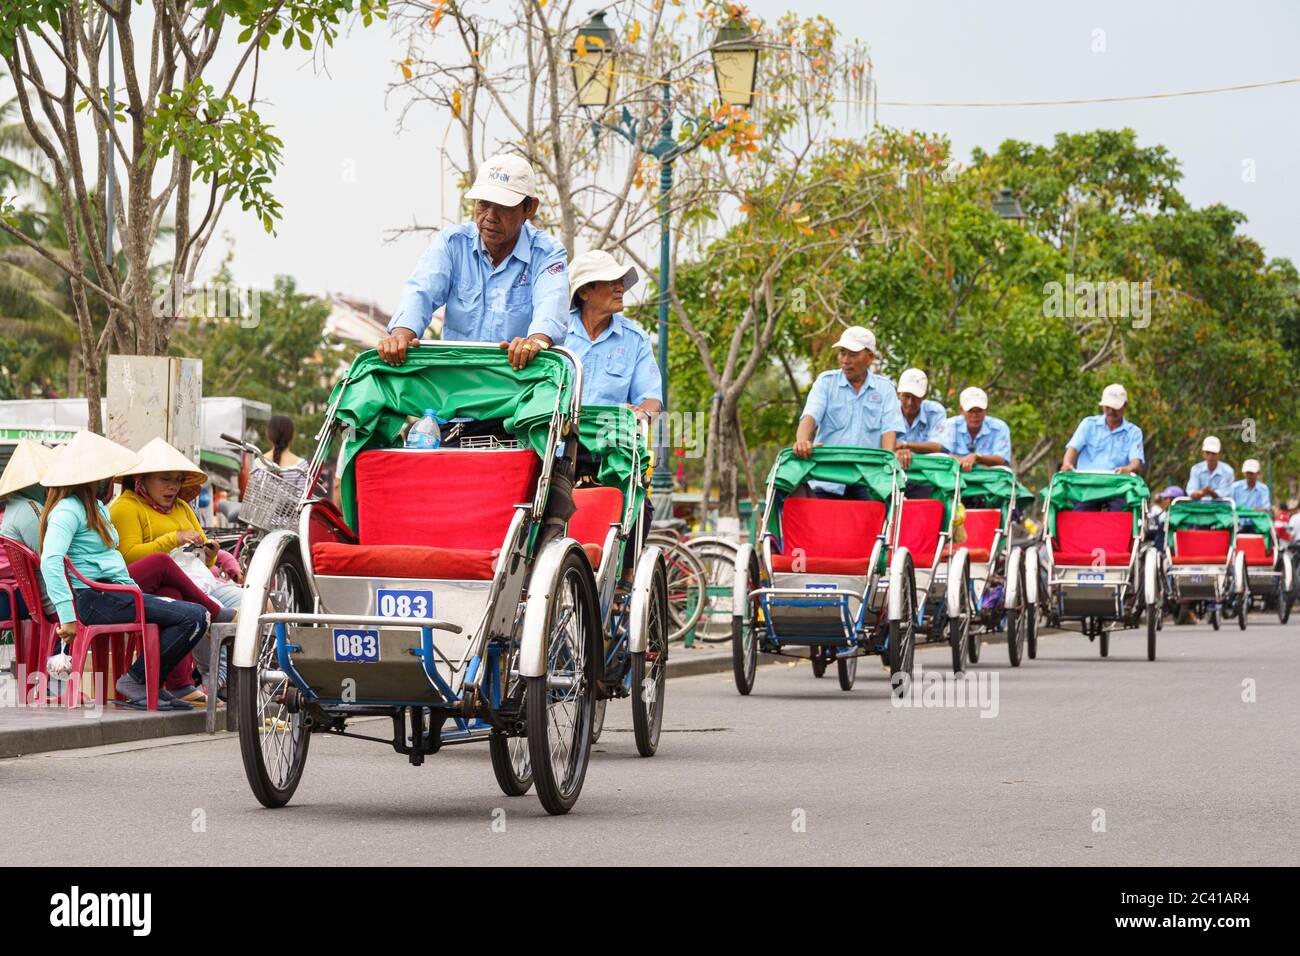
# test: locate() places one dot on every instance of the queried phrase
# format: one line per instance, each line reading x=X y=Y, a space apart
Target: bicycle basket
x=270 y=501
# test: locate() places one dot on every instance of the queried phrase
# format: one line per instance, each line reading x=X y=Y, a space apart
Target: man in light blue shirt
x=1211 y=478
x=1248 y=491
x=923 y=418
x=1106 y=442
x=852 y=406
x=499 y=278
x=975 y=437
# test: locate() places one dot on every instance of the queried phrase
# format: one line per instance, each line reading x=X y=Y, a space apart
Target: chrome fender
x=956 y=579
x=643 y=579
x=1151 y=578
x=897 y=583
x=1031 y=574
x=740 y=585
x=1011 y=593
x=1288 y=573
x=257 y=583
x=532 y=642
x=1239 y=579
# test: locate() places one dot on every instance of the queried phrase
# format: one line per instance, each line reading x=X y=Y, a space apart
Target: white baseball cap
x=974 y=398
x=1115 y=396
x=856 y=338
x=913 y=382
x=1211 y=444
x=597 y=266
x=506 y=180
x=1251 y=465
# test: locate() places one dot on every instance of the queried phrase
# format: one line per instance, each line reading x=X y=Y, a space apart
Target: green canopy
x=612 y=434
x=470 y=381
x=943 y=474
x=841 y=464
x=1258 y=522
x=996 y=484
x=1208 y=514
x=1069 y=489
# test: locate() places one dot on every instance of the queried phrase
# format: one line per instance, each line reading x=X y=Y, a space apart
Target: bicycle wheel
x=685 y=586
x=718 y=558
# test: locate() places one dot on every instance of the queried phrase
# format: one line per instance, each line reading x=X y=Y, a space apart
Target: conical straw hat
x=87 y=458
x=159 y=455
x=27 y=467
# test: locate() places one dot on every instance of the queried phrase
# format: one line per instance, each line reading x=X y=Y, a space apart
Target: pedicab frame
x=1217 y=585
x=516 y=670
x=1275 y=586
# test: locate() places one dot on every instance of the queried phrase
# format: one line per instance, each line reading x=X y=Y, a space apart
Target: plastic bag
x=196 y=569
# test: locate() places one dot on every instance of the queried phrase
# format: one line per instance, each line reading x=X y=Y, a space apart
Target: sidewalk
x=28 y=730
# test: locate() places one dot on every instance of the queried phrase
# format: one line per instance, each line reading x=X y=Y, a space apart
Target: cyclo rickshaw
x=1270 y=570
x=427 y=600
x=1003 y=559
x=945 y=595
x=840 y=580
x=1206 y=570
x=635 y=624
x=1101 y=574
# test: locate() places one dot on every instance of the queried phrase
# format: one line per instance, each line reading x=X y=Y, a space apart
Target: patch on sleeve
x=555 y=269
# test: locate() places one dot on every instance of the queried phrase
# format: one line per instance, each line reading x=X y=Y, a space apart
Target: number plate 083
x=359 y=645
x=395 y=603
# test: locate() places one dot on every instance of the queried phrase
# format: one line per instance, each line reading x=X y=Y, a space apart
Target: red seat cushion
x=825 y=528
x=921 y=522
x=598 y=508
x=972 y=554
x=1081 y=535
x=446 y=498
x=803 y=564
x=981 y=526
x=594 y=553
x=1201 y=546
x=403 y=561
x=1255 y=548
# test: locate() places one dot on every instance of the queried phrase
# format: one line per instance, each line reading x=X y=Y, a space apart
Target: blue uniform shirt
x=845 y=417
x=527 y=293
x=619 y=367
x=1257 y=497
x=928 y=425
x=1220 y=481
x=993 y=438
x=1101 y=449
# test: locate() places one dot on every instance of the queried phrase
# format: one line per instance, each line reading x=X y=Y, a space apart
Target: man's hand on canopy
x=392 y=348
x=524 y=350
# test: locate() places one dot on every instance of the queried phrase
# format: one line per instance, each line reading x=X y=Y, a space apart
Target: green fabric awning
x=613 y=435
x=841 y=464
x=457 y=381
x=1069 y=489
x=1207 y=514
x=1251 y=521
x=942 y=473
x=995 y=483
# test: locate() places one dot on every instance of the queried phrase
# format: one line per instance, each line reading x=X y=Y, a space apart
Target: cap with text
x=856 y=338
x=506 y=180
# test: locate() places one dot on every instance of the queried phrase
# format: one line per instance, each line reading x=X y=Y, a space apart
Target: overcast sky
x=349 y=177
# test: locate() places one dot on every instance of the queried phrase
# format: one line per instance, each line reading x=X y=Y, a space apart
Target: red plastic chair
x=21 y=628
x=119 y=641
x=40 y=630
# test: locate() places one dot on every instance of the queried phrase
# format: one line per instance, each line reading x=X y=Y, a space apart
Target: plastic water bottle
x=425 y=434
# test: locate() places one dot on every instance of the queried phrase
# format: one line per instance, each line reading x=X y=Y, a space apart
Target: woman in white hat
x=76 y=525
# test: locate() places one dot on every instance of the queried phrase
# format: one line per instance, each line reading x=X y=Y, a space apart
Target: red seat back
x=26 y=571
x=1086 y=532
x=826 y=528
x=1203 y=543
x=445 y=498
x=921 y=522
x=981 y=526
x=1252 y=545
x=598 y=508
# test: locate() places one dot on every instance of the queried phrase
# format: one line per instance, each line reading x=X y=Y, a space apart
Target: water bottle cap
x=431 y=413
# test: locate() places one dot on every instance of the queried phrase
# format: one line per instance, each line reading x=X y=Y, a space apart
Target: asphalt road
x=1086 y=761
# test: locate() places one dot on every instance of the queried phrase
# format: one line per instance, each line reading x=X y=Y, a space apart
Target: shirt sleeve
x=1080 y=436
x=892 y=420
x=1194 y=482
x=427 y=288
x=1136 y=448
x=1002 y=442
x=551 y=298
x=815 y=407
x=59 y=530
x=946 y=435
x=125 y=516
x=646 y=382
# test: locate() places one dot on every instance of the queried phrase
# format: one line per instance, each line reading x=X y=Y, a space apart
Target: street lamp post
x=1007 y=206
x=735 y=67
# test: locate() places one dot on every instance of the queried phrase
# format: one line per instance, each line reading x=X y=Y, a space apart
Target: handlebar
x=252 y=450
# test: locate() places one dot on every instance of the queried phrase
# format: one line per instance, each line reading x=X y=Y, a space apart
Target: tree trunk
x=727 y=451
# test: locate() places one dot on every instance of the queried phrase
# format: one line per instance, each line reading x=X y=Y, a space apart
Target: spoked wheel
x=559 y=707
x=972 y=645
x=902 y=635
x=598 y=718
x=272 y=741
x=847 y=668
x=819 y=661
x=1285 y=588
x=959 y=630
x=650 y=672
x=511 y=764
x=1215 y=621
x=744 y=636
x=685 y=588
x=1153 y=618
x=1030 y=626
